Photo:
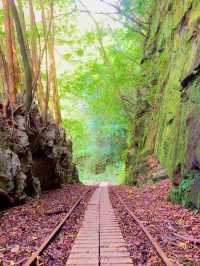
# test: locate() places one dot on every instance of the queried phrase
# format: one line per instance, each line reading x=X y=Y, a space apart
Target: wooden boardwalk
x=99 y=241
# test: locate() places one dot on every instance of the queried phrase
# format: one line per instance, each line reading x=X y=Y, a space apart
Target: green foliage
x=113 y=173
x=98 y=89
x=99 y=75
x=101 y=135
x=168 y=58
x=182 y=193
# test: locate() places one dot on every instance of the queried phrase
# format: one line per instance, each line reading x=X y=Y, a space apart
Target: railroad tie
x=99 y=241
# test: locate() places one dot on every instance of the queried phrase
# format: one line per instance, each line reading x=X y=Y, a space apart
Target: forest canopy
x=80 y=61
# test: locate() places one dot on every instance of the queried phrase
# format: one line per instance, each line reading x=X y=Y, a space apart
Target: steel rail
x=33 y=258
x=155 y=244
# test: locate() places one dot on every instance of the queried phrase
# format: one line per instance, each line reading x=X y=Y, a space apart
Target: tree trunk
x=52 y=75
x=24 y=55
x=4 y=70
x=34 y=52
x=38 y=86
x=5 y=80
x=10 y=52
x=21 y=15
x=23 y=25
x=46 y=40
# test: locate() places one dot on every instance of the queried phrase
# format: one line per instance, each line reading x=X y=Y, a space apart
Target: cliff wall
x=168 y=111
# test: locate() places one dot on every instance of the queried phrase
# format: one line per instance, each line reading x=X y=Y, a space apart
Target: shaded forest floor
x=24 y=228
x=176 y=228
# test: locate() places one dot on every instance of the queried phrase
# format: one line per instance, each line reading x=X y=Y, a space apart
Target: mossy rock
x=9 y=168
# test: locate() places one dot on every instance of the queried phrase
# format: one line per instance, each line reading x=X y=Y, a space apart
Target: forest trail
x=82 y=103
x=96 y=225
x=99 y=241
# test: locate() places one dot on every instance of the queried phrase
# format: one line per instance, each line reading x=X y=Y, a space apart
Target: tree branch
x=134 y=18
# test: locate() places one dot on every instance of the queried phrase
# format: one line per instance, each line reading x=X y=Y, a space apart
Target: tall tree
x=46 y=40
x=21 y=15
x=52 y=73
x=4 y=71
x=24 y=55
x=10 y=52
x=38 y=86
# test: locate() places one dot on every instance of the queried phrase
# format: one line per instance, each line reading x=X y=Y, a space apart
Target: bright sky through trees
x=83 y=51
x=94 y=70
x=96 y=7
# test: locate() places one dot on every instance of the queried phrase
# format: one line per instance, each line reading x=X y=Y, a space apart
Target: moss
x=163 y=128
x=179 y=59
x=197 y=151
x=183 y=194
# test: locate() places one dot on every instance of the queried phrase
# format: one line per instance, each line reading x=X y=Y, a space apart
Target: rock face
x=169 y=125
x=33 y=156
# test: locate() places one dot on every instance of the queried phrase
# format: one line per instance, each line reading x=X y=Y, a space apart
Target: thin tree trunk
x=5 y=80
x=17 y=69
x=10 y=52
x=4 y=70
x=51 y=84
x=52 y=76
x=21 y=15
x=23 y=25
x=34 y=52
x=35 y=57
x=46 y=40
x=24 y=55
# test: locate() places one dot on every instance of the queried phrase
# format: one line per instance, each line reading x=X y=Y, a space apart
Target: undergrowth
x=114 y=173
x=182 y=194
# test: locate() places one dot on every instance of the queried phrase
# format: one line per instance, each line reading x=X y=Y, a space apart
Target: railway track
x=99 y=240
x=165 y=260
x=33 y=259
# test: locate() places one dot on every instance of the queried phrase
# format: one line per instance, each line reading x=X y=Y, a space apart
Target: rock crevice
x=34 y=155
